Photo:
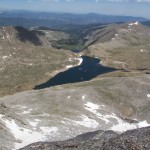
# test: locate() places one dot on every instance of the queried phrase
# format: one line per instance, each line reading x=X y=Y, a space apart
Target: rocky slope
x=28 y=58
x=63 y=112
x=121 y=46
x=138 y=139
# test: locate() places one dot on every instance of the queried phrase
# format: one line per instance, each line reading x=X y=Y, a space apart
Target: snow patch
x=120 y=126
x=32 y=123
x=87 y=122
x=63 y=122
x=69 y=66
x=27 y=136
x=27 y=111
x=135 y=23
x=68 y=97
x=91 y=106
x=143 y=124
x=4 y=57
x=124 y=126
x=83 y=97
x=148 y=95
x=37 y=120
x=144 y=51
x=80 y=61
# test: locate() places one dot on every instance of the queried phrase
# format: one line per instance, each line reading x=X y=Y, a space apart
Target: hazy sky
x=114 y=7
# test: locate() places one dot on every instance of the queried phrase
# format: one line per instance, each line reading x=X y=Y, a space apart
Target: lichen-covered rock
x=138 y=139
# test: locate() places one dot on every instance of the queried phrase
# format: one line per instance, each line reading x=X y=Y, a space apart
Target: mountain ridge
x=117 y=45
x=54 y=19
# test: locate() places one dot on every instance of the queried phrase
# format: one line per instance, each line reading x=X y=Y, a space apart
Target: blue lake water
x=89 y=69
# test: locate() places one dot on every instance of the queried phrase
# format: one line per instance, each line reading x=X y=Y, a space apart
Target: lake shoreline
x=87 y=69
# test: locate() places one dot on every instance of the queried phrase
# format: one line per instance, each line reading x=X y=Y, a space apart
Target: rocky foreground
x=63 y=112
x=138 y=139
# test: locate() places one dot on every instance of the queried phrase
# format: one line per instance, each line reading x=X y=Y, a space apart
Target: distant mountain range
x=30 y=19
